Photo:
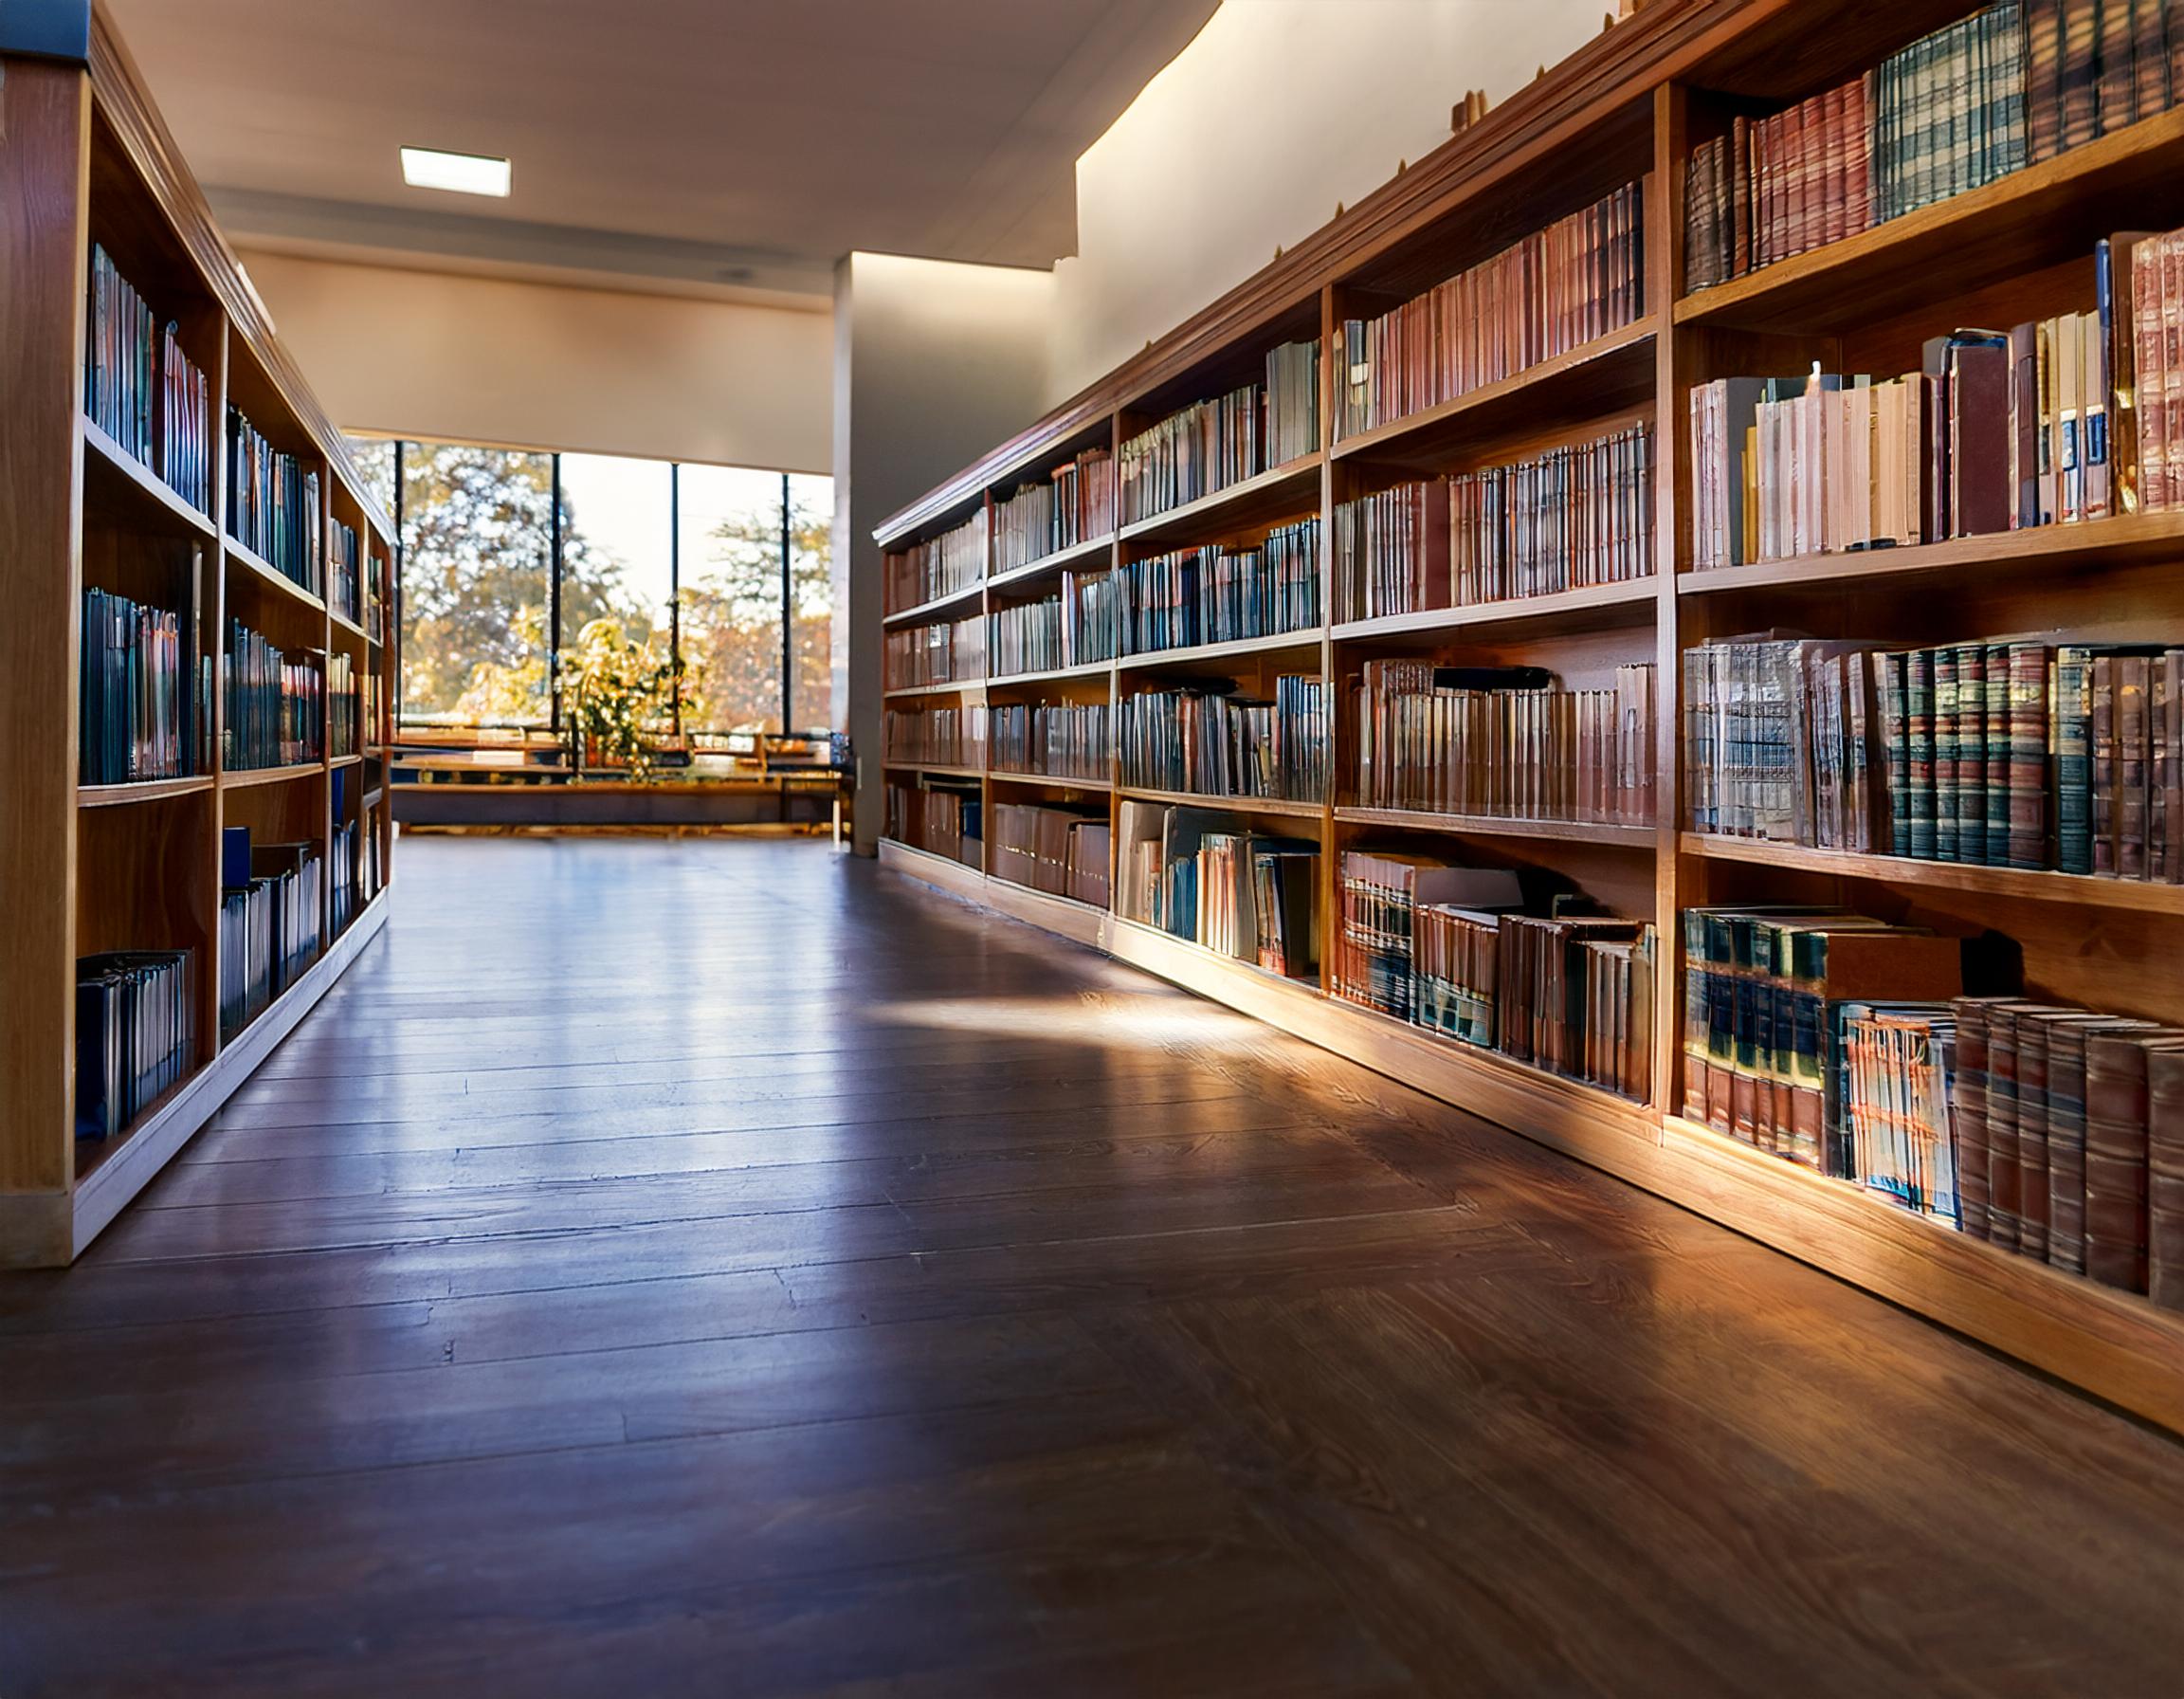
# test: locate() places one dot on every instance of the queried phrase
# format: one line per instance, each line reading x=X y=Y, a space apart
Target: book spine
x=1968 y=1111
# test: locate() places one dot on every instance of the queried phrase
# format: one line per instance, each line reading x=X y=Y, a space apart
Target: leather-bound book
x=1968 y=1110
x=2165 y=1176
x=2066 y=1036
x=2116 y=1218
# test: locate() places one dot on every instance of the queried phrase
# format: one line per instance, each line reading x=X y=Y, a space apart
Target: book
x=1221 y=594
x=273 y=503
x=1072 y=504
x=274 y=702
x=943 y=817
x=1196 y=739
x=946 y=651
x=1050 y=848
x=940 y=737
x=142 y=708
x=938 y=566
x=141 y=388
x=1055 y=740
x=1212 y=443
x=136 y=1035
x=1379 y=892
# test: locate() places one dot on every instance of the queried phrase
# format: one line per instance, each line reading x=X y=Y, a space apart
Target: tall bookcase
x=1629 y=108
x=85 y=869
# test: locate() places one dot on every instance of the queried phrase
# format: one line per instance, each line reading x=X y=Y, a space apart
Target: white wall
x=1278 y=110
x=439 y=356
x=934 y=363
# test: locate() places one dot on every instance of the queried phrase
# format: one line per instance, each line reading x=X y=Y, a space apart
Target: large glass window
x=687 y=560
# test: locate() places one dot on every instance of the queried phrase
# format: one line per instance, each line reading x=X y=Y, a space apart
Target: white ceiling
x=732 y=146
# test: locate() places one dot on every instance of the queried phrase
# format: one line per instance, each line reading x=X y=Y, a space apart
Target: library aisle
x=730 y=1268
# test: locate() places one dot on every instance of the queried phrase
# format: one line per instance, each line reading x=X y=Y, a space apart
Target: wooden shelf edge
x=1632 y=593
x=243 y=777
x=940 y=603
x=1233 y=805
x=1060 y=675
x=257 y=566
x=147 y=484
x=346 y=760
x=1496 y=826
x=1063 y=915
x=342 y=621
x=937 y=772
x=951 y=687
x=47 y=1230
x=2032 y=884
x=1487 y=398
x=1003 y=776
x=1233 y=648
x=1235 y=495
x=1060 y=561
x=2095 y=542
x=143 y=790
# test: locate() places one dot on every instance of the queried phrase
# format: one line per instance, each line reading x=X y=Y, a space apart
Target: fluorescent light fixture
x=461 y=173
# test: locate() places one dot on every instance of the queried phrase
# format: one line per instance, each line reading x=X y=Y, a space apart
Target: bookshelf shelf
x=86 y=869
x=2026 y=884
x=115 y=482
x=1658 y=88
x=2129 y=540
x=245 y=778
x=1278 y=493
x=1088 y=552
x=343 y=624
x=933 y=771
x=261 y=570
x=145 y=790
x=1239 y=648
x=346 y=760
x=2034 y=218
x=1235 y=805
x=1060 y=675
x=1608 y=375
x=1048 y=781
x=1595 y=606
x=939 y=605
x=1496 y=826
x=953 y=687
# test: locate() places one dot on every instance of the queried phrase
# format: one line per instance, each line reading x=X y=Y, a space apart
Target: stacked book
x=1213 y=444
x=939 y=566
x=1060 y=850
x=935 y=737
x=941 y=818
x=135 y=1034
x=1577 y=280
x=1762 y=1035
x=1381 y=892
x=1217 y=594
x=269 y=902
x=274 y=703
x=1053 y=740
x=1194 y=740
x=953 y=651
x=273 y=504
x=1507 y=742
x=143 y=710
x=1239 y=893
x=1946 y=114
x=2009 y=753
x=1573 y=518
x=141 y=389
x=1074 y=504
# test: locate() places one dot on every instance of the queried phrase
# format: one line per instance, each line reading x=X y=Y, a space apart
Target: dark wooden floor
x=725 y=1268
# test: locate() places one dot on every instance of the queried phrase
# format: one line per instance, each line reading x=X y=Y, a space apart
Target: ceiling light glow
x=460 y=173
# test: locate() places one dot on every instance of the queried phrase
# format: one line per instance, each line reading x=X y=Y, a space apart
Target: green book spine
x=1918 y=718
x=2073 y=760
x=1946 y=848
x=2025 y=820
x=1972 y=774
x=2001 y=766
x=1896 y=739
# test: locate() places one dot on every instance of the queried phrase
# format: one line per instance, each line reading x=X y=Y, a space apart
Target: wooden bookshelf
x=1630 y=107
x=93 y=867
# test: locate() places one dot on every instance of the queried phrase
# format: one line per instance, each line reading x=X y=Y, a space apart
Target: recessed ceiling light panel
x=460 y=173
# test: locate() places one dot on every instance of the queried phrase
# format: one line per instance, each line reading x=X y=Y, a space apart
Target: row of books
x=1193 y=739
x=1509 y=742
x=935 y=737
x=2140 y=282
x=1579 y=279
x=344 y=721
x=1762 y=1047
x=269 y=905
x=1213 y=444
x=1996 y=432
x=1944 y=115
x=374 y=620
x=141 y=389
x=1055 y=739
x=953 y=651
x=1573 y=518
x=273 y=504
x=1073 y=504
x=1060 y=850
x=142 y=694
x=1027 y=638
x=341 y=572
x=939 y=818
x=2094 y=67
x=274 y=706
x=938 y=566
x=1203 y=877
x=1221 y=594
x=345 y=870
x=135 y=1034
x=2010 y=753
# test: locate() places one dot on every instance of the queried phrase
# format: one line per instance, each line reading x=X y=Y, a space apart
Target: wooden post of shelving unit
x=1663 y=288
x=45 y=246
x=1330 y=834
